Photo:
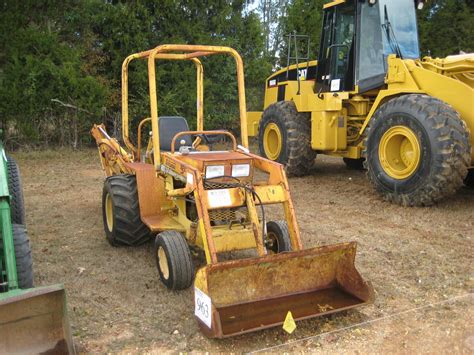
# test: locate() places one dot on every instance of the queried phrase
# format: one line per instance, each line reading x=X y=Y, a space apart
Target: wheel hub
x=272 y=243
x=163 y=261
x=399 y=152
x=109 y=213
x=272 y=141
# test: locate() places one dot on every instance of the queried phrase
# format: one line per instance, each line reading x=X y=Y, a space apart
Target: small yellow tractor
x=186 y=194
x=370 y=100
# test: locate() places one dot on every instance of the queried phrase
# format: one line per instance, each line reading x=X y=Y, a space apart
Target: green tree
x=446 y=27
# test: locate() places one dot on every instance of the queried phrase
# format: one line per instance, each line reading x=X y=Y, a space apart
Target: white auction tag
x=189 y=178
x=335 y=84
x=202 y=307
x=219 y=198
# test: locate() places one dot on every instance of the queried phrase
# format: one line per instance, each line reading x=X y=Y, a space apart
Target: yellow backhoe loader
x=371 y=100
x=185 y=194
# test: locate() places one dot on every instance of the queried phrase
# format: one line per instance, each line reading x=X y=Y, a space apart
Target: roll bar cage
x=179 y=52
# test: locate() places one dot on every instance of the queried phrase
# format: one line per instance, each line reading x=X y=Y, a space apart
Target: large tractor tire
x=173 y=260
x=24 y=262
x=469 y=180
x=17 y=204
x=121 y=212
x=284 y=135
x=417 y=150
x=354 y=164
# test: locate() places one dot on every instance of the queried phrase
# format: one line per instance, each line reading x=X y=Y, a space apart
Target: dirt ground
x=418 y=259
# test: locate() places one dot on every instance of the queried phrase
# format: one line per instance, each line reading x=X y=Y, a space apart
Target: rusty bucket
x=35 y=321
x=245 y=295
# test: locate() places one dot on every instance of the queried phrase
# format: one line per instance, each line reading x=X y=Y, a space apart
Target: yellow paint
x=109 y=214
x=289 y=324
x=163 y=262
x=272 y=141
x=253 y=119
x=450 y=80
x=333 y=3
x=399 y=152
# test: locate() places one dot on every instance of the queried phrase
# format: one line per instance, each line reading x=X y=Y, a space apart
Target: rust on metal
x=35 y=321
x=309 y=283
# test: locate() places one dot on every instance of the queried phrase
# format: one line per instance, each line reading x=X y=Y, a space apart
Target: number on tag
x=202 y=307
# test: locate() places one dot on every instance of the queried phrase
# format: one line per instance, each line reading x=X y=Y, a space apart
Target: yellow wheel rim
x=399 y=152
x=272 y=141
x=109 y=213
x=163 y=261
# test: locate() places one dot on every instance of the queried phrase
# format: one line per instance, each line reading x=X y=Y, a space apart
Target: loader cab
x=358 y=36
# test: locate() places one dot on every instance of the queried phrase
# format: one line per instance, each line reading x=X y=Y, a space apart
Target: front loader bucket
x=252 y=294
x=35 y=321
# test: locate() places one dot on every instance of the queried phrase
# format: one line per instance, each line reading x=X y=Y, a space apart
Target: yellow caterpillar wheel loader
x=371 y=100
x=185 y=194
x=32 y=320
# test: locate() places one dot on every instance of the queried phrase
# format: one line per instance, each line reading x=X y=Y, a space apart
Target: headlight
x=213 y=171
x=240 y=170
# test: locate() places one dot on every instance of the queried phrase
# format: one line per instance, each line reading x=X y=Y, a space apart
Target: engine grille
x=228 y=214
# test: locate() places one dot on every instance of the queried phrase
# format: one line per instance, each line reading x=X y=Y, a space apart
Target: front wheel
x=278 y=237
x=17 y=204
x=417 y=150
x=173 y=260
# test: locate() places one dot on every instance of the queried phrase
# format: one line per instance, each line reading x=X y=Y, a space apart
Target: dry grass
x=413 y=256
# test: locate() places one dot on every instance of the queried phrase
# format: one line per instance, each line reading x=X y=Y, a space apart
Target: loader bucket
x=35 y=321
x=253 y=294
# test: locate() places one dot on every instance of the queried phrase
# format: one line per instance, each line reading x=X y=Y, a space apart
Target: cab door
x=336 y=54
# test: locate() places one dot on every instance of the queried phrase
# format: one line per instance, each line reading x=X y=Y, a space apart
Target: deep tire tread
x=128 y=227
x=24 y=261
x=17 y=204
x=297 y=154
x=451 y=143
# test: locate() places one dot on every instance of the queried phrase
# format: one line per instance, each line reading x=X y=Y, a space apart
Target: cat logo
x=302 y=74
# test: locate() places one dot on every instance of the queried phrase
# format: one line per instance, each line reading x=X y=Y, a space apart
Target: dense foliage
x=60 y=61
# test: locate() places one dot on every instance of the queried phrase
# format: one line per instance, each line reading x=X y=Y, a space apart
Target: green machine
x=32 y=320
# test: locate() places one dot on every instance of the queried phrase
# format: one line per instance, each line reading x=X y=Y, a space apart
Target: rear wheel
x=121 y=212
x=354 y=164
x=17 y=204
x=417 y=150
x=173 y=260
x=278 y=237
x=24 y=262
x=284 y=135
x=469 y=180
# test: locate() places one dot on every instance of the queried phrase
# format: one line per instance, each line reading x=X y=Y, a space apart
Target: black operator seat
x=169 y=126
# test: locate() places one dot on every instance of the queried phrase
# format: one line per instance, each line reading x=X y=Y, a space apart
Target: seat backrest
x=169 y=126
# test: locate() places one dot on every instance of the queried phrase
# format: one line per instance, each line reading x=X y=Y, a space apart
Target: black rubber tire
x=282 y=240
x=24 y=262
x=128 y=228
x=296 y=153
x=17 y=203
x=178 y=260
x=444 y=145
x=354 y=164
x=469 y=180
